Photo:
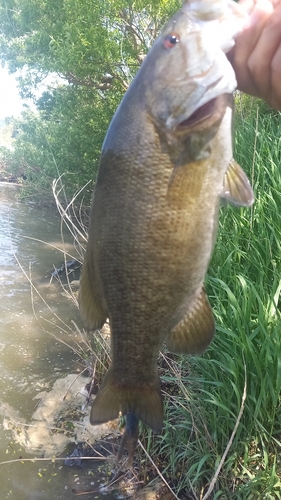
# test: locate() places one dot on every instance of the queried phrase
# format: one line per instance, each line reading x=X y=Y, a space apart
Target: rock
x=62 y=417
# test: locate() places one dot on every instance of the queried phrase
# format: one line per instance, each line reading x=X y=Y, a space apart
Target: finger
x=264 y=63
x=245 y=46
x=275 y=97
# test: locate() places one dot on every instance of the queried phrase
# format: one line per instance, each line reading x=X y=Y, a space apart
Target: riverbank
x=227 y=402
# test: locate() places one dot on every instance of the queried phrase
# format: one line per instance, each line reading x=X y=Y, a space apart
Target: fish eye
x=171 y=40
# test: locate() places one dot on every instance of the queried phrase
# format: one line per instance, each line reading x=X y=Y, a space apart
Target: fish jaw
x=194 y=70
x=220 y=80
x=205 y=116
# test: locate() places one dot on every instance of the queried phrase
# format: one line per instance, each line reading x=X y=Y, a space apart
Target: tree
x=95 y=47
x=82 y=41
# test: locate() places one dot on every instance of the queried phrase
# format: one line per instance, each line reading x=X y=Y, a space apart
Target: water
x=31 y=359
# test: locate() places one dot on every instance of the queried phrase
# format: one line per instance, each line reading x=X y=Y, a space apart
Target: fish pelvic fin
x=237 y=188
x=144 y=401
x=194 y=332
x=92 y=311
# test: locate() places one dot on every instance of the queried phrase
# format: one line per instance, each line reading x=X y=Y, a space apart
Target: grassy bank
x=243 y=284
x=223 y=409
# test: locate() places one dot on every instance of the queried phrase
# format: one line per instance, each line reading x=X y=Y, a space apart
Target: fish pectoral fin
x=144 y=401
x=194 y=332
x=92 y=311
x=237 y=188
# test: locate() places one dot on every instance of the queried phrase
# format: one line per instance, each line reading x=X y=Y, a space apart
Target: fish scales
x=165 y=163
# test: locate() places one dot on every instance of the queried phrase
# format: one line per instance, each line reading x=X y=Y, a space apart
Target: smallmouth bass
x=165 y=163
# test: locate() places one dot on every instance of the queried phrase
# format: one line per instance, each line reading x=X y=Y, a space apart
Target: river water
x=35 y=335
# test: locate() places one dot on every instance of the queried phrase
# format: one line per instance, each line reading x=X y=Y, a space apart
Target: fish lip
x=204 y=116
x=200 y=115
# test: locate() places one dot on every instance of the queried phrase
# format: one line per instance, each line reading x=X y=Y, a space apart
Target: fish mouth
x=206 y=115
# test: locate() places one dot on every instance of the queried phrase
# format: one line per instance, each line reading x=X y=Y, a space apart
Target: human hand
x=256 y=56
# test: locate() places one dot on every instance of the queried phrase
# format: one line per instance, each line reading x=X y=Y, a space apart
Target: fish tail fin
x=144 y=401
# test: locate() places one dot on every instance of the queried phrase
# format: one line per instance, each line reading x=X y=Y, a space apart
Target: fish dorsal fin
x=195 y=330
x=236 y=187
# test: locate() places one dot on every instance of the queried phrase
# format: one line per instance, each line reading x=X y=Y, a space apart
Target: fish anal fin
x=194 y=332
x=237 y=188
x=144 y=401
x=91 y=306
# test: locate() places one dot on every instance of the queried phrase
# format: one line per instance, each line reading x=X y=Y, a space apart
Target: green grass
x=203 y=395
x=244 y=286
